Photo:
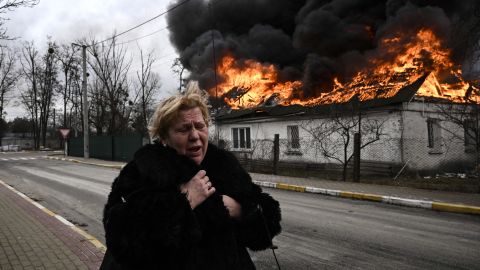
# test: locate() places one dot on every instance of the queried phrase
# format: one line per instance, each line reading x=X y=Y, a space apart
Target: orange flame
x=251 y=83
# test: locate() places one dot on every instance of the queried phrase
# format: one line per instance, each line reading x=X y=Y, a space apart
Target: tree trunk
x=344 y=173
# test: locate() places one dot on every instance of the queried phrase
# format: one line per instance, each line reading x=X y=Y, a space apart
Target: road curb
x=438 y=206
x=457 y=208
x=72 y=226
x=86 y=162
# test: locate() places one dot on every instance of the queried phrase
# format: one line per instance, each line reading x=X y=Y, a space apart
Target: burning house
x=398 y=73
x=426 y=135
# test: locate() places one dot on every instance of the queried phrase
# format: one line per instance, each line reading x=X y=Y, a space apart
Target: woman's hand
x=233 y=207
x=198 y=189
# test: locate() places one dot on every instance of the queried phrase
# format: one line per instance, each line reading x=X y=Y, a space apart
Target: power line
x=135 y=39
x=147 y=21
x=155 y=64
x=155 y=32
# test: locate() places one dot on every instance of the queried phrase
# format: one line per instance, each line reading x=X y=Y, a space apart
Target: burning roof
x=405 y=94
x=310 y=53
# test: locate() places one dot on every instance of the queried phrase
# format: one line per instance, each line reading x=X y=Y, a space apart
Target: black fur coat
x=149 y=224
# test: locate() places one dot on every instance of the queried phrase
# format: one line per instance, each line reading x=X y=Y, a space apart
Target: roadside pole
x=65 y=132
x=276 y=152
x=86 y=141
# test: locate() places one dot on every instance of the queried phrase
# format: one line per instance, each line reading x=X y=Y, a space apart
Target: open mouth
x=194 y=149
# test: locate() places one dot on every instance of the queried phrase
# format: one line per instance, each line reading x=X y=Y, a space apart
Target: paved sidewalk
x=413 y=197
x=32 y=237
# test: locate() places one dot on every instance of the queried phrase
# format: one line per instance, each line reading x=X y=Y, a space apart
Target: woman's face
x=188 y=134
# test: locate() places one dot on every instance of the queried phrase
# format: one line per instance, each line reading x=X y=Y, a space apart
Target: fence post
x=276 y=153
x=113 y=147
x=356 y=157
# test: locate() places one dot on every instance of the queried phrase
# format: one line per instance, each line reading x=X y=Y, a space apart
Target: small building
x=403 y=133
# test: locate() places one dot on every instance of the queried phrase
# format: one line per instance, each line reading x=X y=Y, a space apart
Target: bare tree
x=8 y=76
x=148 y=83
x=126 y=108
x=3 y=129
x=39 y=73
x=333 y=136
x=466 y=117
x=75 y=116
x=178 y=68
x=70 y=65
x=111 y=65
x=10 y=5
x=98 y=114
x=30 y=70
x=48 y=82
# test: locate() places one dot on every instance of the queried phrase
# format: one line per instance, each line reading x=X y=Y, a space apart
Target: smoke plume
x=313 y=40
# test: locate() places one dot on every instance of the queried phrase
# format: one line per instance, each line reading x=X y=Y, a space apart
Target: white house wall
x=263 y=132
x=405 y=140
x=388 y=148
x=449 y=154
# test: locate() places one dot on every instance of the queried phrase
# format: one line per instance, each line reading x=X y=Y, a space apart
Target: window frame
x=430 y=133
x=434 y=135
x=293 y=141
x=241 y=138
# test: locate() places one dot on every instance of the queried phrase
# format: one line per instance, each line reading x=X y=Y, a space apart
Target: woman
x=182 y=203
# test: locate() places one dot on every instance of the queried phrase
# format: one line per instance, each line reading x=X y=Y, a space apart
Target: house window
x=293 y=137
x=241 y=138
x=434 y=133
x=469 y=133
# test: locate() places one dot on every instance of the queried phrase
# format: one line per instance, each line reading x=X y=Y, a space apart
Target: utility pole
x=214 y=100
x=477 y=143
x=276 y=152
x=357 y=142
x=86 y=141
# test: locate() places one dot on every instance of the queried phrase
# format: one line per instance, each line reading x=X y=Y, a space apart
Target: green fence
x=75 y=147
x=118 y=148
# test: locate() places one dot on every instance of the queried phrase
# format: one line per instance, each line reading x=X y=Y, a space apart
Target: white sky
x=68 y=20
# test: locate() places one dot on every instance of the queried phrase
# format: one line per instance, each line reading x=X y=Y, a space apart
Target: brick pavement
x=31 y=238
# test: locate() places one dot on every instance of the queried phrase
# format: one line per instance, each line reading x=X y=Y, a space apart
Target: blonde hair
x=168 y=110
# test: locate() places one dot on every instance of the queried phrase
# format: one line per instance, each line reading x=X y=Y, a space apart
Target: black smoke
x=312 y=40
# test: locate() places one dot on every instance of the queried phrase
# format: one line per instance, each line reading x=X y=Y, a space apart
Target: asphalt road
x=319 y=232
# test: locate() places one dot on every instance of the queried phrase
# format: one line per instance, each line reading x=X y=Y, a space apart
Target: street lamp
x=86 y=142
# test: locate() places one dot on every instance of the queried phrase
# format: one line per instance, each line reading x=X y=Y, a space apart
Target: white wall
x=387 y=149
x=27 y=144
x=416 y=150
x=406 y=139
